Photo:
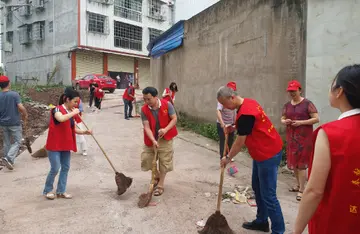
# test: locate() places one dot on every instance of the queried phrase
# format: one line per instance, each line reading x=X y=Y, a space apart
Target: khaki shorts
x=165 y=156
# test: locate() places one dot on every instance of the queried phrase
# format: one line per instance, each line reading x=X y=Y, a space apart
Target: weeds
x=208 y=130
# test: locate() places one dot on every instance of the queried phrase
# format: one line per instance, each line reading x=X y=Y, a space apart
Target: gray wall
x=333 y=36
x=260 y=44
x=40 y=57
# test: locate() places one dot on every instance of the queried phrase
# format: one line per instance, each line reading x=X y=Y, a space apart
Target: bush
x=21 y=89
x=208 y=130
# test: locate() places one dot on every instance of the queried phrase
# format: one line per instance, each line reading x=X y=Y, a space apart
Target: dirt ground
x=190 y=190
x=37 y=111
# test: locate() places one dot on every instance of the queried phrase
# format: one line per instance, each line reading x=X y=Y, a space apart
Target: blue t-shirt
x=9 y=112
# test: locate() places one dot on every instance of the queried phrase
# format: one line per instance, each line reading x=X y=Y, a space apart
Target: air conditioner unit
x=8 y=47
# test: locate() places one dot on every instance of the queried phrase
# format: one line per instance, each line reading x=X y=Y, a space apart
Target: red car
x=104 y=82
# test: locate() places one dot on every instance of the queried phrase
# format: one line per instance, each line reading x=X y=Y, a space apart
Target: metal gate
x=88 y=62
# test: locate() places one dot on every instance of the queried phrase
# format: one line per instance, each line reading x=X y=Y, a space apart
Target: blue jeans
x=11 y=150
x=58 y=159
x=264 y=180
x=128 y=107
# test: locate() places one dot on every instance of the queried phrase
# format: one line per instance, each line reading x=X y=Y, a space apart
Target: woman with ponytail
x=61 y=141
x=331 y=200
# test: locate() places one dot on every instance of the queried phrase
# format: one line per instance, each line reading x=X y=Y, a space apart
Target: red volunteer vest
x=339 y=209
x=61 y=137
x=127 y=96
x=264 y=142
x=164 y=120
x=98 y=94
x=168 y=98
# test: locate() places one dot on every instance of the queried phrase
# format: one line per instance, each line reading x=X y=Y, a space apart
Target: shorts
x=165 y=156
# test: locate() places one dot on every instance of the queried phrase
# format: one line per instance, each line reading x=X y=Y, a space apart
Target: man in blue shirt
x=10 y=123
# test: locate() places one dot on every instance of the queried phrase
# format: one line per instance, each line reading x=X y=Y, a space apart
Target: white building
x=72 y=38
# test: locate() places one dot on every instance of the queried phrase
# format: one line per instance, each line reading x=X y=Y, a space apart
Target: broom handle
x=222 y=174
x=101 y=148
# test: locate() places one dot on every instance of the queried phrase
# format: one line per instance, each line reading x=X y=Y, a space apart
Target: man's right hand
x=155 y=144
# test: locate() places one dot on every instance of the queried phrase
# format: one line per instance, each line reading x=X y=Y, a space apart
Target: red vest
x=264 y=142
x=127 y=96
x=61 y=136
x=169 y=98
x=164 y=120
x=98 y=94
x=339 y=209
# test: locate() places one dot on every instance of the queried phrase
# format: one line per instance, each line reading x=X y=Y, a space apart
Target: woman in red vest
x=60 y=141
x=169 y=93
x=99 y=95
x=264 y=144
x=331 y=200
x=128 y=98
x=159 y=120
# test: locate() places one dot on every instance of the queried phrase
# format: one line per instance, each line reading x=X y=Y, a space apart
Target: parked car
x=104 y=82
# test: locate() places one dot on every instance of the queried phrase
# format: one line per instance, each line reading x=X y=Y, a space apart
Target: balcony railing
x=127 y=13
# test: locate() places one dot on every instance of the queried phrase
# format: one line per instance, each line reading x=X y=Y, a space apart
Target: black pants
x=98 y=103
x=91 y=99
x=128 y=107
x=221 y=134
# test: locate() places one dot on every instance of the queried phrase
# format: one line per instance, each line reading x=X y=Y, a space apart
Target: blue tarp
x=169 y=40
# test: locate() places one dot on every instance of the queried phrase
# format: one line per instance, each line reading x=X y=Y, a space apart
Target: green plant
x=22 y=92
x=208 y=130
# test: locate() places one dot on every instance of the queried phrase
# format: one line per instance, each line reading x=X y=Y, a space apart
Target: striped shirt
x=228 y=116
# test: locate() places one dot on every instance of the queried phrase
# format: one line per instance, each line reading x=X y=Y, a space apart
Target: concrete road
x=96 y=208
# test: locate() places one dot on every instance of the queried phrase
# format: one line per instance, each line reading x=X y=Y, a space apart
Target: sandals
x=64 y=195
x=295 y=189
x=158 y=191
x=299 y=196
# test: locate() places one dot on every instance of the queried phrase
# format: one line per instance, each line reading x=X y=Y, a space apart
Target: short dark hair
x=4 y=84
x=153 y=91
x=173 y=87
x=348 y=78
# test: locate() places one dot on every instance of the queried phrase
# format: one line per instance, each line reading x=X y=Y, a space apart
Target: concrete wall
x=40 y=57
x=185 y=9
x=260 y=44
x=333 y=36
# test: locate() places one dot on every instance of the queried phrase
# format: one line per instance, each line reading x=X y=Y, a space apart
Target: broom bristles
x=144 y=200
x=216 y=224
x=123 y=182
x=41 y=153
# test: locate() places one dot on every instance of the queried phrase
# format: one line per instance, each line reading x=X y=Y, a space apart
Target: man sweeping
x=264 y=144
x=128 y=98
x=10 y=123
x=159 y=120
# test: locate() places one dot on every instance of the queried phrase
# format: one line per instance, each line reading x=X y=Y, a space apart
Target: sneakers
x=64 y=195
x=84 y=153
x=263 y=227
x=8 y=164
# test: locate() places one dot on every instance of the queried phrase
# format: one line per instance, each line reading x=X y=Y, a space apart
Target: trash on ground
x=201 y=223
x=207 y=194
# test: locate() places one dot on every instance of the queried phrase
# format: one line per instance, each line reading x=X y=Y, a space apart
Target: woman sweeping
x=61 y=140
x=169 y=93
x=299 y=115
x=331 y=200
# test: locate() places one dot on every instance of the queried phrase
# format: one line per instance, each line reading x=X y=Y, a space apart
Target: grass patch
x=208 y=130
x=21 y=89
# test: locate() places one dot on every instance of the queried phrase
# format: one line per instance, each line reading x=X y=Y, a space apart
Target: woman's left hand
x=88 y=132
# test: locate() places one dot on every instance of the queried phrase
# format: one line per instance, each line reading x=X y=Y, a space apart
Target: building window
x=25 y=10
x=51 y=26
x=98 y=23
x=9 y=16
x=128 y=9
x=38 y=31
x=154 y=33
x=25 y=34
x=155 y=10
x=10 y=36
x=127 y=36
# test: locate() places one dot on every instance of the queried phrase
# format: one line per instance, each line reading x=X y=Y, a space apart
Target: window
x=51 y=26
x=10 y=36
x=38 y=31
x=128 y=9
x=127 y=36
x=154 y=33
x=9 y=16
x=98 y=23
x=25 y=10
x=25 y=34
x=155 y=9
